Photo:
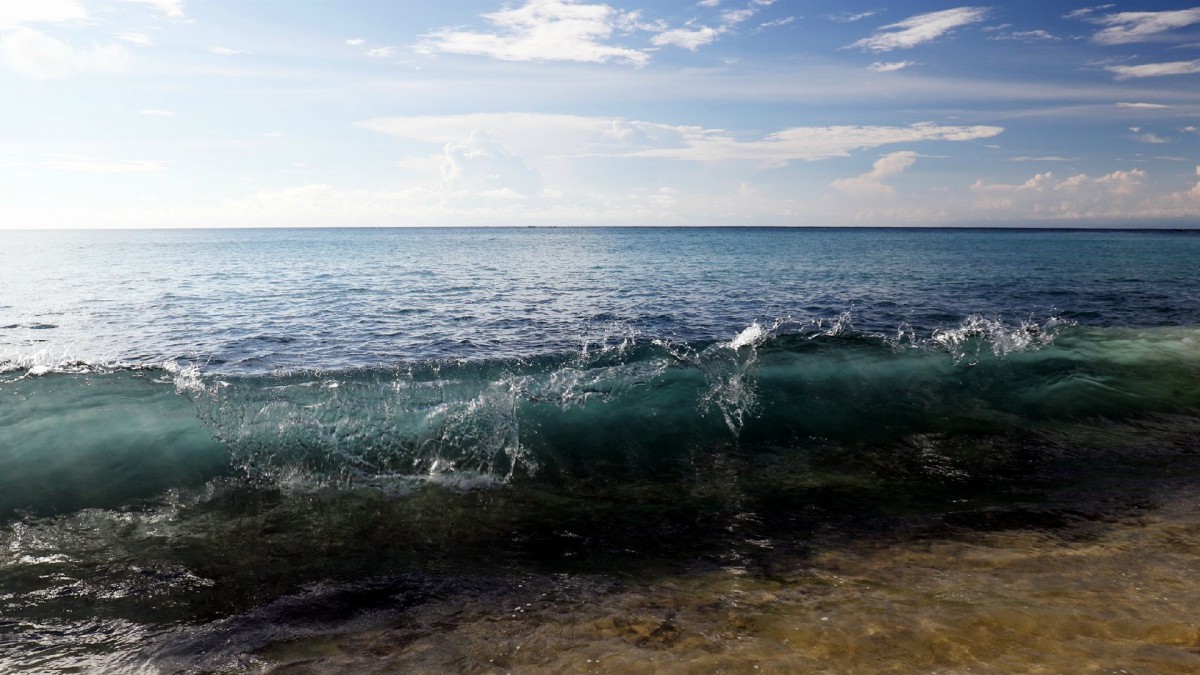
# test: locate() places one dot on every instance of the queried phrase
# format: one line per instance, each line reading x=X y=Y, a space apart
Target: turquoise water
x=212 y=442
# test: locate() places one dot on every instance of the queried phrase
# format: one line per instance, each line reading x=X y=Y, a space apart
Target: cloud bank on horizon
x=170 y=113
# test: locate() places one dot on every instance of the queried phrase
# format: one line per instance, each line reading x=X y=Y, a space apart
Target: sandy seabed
x=1053 y=590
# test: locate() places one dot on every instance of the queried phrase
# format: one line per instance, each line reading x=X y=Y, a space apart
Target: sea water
x=611 y=449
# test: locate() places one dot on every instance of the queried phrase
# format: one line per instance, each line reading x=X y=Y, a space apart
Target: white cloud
x=870 y=184
x=566 y=30
x=1085 y=11
x=1048 y=158
x=75 y=163
x=1079 y=196
x=34 y=54
x=1120 y=194
x=156 y=113
x=890 y=66
x=525 y=134
x=808 y=143
x=1145 y=106
x=532 y=135
x=1126 y=27
x=687 y=38
x=693 y=36
x=542 y=30
x=1156 y=69
x=356 y=42
x=225 y=51
x=848 y=17
x=776 y=23
x=173 y=9
x=736 y=16
x=481 y=165
x=920 y=29
x=383 y=52
x=1150 y=137
x=17 y=12
x=1028 y=36
x=138 y=39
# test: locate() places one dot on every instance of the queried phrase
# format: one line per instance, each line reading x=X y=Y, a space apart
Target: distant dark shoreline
x=1180 y=229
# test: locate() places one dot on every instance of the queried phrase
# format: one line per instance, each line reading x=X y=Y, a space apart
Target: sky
x=266 y=113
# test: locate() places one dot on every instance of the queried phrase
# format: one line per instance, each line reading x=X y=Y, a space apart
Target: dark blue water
x=196 y=426
x=268 y=300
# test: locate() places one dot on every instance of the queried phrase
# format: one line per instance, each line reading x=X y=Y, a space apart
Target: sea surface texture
x=559 y=450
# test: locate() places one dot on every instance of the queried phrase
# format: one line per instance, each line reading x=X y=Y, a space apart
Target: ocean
x=599 y=450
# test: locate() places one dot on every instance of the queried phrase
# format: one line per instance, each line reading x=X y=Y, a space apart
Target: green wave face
x=70 y=440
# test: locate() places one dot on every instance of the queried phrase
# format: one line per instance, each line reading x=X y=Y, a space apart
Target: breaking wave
x=631 y=405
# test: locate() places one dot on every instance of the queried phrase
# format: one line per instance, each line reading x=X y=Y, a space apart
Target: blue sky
x=227 y=113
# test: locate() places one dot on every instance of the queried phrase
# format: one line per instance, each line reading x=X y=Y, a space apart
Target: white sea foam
x=751 y=336
x=840 y=325
x=42 y=360
x=609 y=336
x=978 y=333
x=729 y=369
x=186 y=378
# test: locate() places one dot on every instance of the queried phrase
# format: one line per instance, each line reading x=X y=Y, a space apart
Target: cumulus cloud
x=567 y=30
x=870 y=184
x=356 y=42
x=1156 y=69
x=36 y=55
x=16 y=13
x=920 y=29
x=1126 y=27
x=542 y=30
x=692 y=35
x=687 y=38
x=736 y=16
x=225 y=51
x=1193 y=194
x=557 y=136
x=1078 y=196
x=1120 y=194
x=482 y=166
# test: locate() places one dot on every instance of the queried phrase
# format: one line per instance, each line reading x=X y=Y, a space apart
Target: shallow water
x=608 y=450
x=1118 y=595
